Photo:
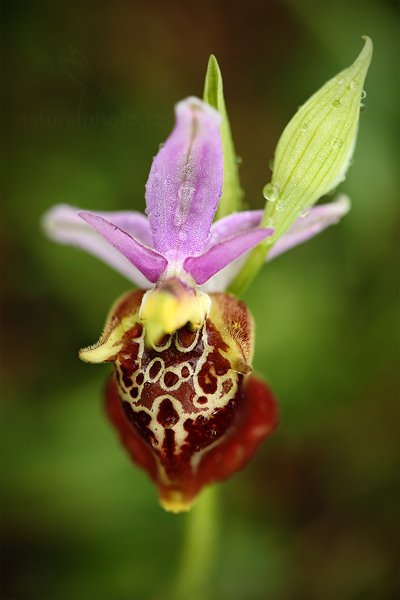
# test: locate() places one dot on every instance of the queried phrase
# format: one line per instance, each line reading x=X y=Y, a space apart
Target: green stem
x=199 y=548
x=250 y=269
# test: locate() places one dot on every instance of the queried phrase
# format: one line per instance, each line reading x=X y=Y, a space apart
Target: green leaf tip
x=212 y=81
x=230 y=200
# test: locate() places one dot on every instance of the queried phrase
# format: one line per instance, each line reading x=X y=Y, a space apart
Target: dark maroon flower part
x=187 y=409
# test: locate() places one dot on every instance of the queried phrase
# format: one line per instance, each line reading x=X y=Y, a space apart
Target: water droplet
x=238 y=160
x=354 y=84
x=271 y=192
x=363 y=108
x=305 y=212
x=280 y=206
x=271 y=164
x=336 y=143
x=185 y=196
x=336 y=103
x=303 y=127
x=186 y=192
x=363 y=94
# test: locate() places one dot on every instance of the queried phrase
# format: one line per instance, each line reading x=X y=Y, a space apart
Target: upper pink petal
x=185 y=182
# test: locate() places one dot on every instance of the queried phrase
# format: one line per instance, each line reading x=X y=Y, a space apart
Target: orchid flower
x=182 y=395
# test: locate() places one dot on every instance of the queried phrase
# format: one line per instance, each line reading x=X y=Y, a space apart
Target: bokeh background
x=89 y=93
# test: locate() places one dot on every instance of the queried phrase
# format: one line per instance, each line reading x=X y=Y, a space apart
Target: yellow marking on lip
x=175 y=502
x=109 y=345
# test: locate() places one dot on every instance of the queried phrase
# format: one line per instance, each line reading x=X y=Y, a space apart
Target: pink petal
x=63 y=224
x=185 y=182
x=150 y=263
x=202 y=267
x=235 y=223
x=304 y=228
x=319 y=218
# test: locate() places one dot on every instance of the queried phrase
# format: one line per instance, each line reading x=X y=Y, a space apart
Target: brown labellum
x=186 y=408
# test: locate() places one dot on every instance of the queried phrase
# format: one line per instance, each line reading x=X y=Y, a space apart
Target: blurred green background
x=89 y=94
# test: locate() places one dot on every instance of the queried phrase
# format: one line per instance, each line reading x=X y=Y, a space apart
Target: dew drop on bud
x=363 y=94
x=303 y=127
x=336 y=103
x=304 y=213
x=354 y=84
x=271 y=192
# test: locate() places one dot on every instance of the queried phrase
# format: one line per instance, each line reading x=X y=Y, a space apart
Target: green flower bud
x=315 y=149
